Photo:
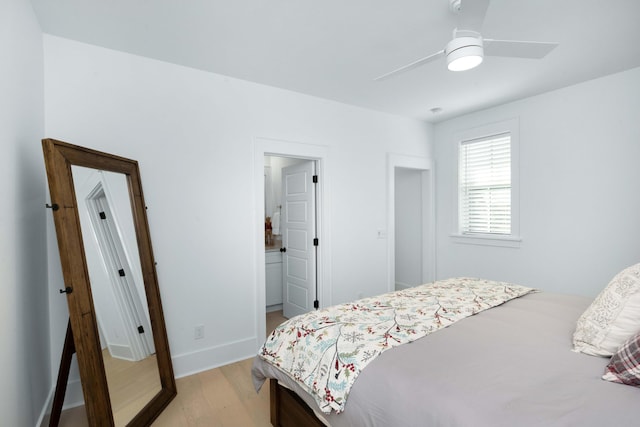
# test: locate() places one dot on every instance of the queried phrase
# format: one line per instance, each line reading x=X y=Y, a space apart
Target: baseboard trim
x=275 y=307
x=213 y=357
x=73 y=397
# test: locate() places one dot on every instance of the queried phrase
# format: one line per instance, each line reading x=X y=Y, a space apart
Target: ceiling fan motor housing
x=464 y=53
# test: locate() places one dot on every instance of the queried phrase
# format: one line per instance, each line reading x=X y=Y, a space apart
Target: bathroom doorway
x=290 y=233
x=299 y=261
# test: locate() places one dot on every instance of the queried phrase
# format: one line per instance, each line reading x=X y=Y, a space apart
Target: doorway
x=290 y=233
x=411 y=214
x=316 y=155
x=408 y=228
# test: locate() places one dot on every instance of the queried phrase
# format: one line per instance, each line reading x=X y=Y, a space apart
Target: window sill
x=487 y=240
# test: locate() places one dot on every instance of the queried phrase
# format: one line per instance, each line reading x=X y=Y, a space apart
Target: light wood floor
x=131 y=385
x=219 y=397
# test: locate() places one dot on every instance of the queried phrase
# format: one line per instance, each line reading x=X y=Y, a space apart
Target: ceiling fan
x=467 y=48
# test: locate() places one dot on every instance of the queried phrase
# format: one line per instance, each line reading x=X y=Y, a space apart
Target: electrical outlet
x=198 y=332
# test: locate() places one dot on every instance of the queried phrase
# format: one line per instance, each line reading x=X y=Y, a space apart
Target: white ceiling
x=334 y=48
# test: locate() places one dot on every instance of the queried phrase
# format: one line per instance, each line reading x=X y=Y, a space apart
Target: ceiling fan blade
x=471 y=14
x=411 y=66
x=518 y=49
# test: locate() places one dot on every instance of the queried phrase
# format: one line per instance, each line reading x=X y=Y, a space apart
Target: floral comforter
x=325 y=350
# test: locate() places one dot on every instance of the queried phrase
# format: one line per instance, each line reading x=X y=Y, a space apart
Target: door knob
x=283 y=249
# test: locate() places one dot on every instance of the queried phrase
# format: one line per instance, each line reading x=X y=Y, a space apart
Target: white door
x=298 y=233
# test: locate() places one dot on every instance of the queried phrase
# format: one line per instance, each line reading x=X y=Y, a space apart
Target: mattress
x=509 y=365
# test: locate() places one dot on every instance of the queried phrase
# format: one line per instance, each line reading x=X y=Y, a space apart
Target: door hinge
x=316 y=304
x=315 y=241
x=315 y=179
x=103 y=215
x=140 y=329
x=121 y=272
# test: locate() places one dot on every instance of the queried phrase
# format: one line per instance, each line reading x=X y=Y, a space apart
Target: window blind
x=485 y=185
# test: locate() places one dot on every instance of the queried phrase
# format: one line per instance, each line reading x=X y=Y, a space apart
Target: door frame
x=426 y=167
x=275 y=147
x=127 y=298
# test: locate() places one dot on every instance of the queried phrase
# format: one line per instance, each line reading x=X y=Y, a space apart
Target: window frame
x=510 y=126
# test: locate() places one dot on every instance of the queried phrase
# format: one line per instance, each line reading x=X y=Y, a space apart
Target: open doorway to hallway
x=408 y=228
x=411 y=216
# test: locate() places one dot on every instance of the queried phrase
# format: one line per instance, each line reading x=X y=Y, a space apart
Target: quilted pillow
x=612 y=317
x=624 y=366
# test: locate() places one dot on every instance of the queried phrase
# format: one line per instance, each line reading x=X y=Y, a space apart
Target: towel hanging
x=275 y=224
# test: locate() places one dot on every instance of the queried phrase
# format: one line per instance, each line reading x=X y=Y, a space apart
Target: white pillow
x=612 y=318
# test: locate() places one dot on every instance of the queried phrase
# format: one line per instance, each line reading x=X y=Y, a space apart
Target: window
x=487 y=185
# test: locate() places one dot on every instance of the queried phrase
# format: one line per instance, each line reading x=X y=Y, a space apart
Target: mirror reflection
x=115 y=273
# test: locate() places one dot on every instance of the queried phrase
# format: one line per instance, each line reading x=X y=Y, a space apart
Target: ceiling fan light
x=464 y=63
x=464 y=53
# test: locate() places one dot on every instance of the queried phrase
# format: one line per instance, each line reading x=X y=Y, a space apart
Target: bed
x=508 y=365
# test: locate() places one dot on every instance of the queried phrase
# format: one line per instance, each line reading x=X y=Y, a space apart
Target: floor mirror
x=111 y=286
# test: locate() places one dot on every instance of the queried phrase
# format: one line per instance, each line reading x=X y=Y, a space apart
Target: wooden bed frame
x=289 y=410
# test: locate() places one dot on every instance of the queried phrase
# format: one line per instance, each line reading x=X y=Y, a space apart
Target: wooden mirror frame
x=59 y=157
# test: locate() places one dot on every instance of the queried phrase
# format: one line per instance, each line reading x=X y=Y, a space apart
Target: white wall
x=193 y=134
x=579 y=188
x=24 y=333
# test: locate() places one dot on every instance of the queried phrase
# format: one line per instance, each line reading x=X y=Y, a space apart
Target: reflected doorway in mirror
x=114 y=269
